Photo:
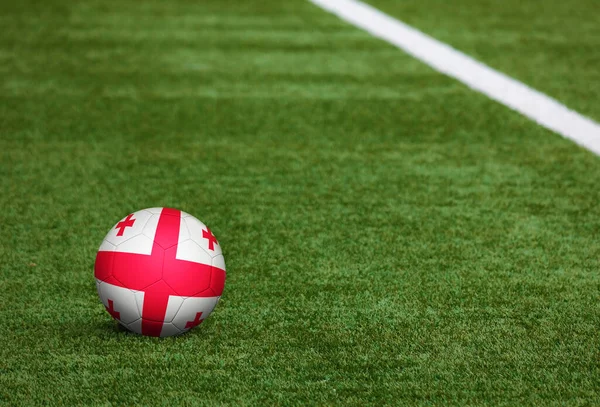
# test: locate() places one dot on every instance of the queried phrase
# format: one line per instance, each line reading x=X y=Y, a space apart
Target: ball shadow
x=116 y=328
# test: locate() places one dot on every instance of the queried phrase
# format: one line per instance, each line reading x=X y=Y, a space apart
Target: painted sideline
x=529 y=102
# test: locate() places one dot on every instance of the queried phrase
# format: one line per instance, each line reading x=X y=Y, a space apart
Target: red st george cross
x=160 y=275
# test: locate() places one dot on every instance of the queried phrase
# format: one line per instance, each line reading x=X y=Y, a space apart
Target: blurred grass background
x=391 y=237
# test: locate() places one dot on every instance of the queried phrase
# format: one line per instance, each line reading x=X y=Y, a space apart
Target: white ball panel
x=184 y=233
x=139 y=244
x=150 y=228
x=107 y=247
x=123 y=301
x=190 y=307
x=155 y=211
x=219 y=261
x=139 y=219
x=169 y=330
x=135 y=326
x=191 y=251
x=139 y=300
x=172 y=307
x=196 y=228
x=100 y=294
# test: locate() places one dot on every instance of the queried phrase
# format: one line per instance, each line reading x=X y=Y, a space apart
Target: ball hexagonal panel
x=193 y=311
x=135 y=326
x=203 y=236
x=168 y=329
x=128 y=227
x=119 y=302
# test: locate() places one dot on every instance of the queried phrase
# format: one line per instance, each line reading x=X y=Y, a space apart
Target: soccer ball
x=159 y=272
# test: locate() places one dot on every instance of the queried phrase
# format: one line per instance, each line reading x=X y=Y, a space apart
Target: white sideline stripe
x=529 y=102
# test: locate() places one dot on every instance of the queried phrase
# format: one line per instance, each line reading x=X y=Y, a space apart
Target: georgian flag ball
x=160 y=272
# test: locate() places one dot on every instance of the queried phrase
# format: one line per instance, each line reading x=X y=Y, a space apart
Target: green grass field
x=391 y=237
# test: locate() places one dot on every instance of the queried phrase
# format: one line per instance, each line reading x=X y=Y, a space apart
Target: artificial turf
x=551 y=45
x=391 y=237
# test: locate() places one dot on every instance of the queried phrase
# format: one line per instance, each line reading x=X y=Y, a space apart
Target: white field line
x=529 y=102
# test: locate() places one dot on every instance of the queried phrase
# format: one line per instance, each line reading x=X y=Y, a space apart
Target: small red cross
x=195 y=322
x=127 y=223
x=111 y=310
x=207 y=234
